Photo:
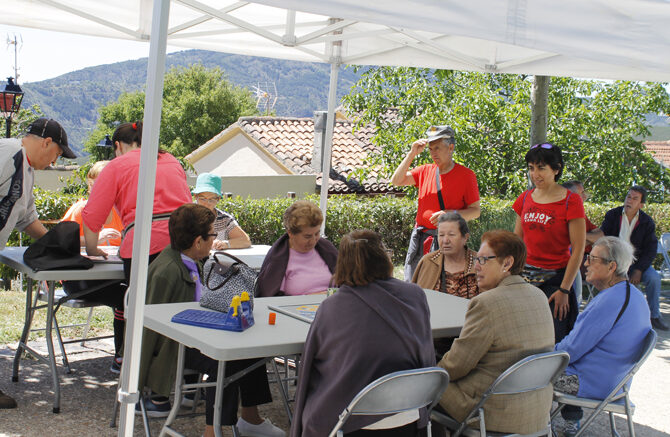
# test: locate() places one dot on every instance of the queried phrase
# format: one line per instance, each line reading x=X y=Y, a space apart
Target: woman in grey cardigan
x=373 y=325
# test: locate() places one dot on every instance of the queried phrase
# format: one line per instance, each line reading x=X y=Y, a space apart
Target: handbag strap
x=439 y=188
x=233 y=269
x=625 y=304
x=234 y=258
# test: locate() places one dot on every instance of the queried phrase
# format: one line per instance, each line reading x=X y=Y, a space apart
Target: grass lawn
x=12 y=315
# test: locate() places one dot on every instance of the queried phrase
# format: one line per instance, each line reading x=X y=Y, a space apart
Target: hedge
x=392 y=217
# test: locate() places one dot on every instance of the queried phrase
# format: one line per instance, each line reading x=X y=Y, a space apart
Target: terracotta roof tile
x=291 y=140
x=660 y=150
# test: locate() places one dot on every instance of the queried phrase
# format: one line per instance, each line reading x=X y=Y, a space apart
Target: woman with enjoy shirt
x=551 y=222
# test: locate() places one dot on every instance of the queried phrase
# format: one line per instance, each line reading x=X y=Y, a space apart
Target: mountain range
x=74 y=98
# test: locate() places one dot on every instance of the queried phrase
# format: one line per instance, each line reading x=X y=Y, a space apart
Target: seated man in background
x=633 y=225
x=174 y=276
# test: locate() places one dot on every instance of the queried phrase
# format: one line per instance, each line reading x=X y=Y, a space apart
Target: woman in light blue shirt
x=608 y=334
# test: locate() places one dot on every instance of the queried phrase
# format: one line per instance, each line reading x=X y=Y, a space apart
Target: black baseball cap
x=49 y=128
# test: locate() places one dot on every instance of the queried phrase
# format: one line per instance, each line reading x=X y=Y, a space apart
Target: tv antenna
x=265 y=100
x=15 y=42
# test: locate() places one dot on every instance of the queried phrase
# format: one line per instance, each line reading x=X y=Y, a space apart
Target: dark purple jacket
x=358 y=335
x=275 y=262
x=643 y=237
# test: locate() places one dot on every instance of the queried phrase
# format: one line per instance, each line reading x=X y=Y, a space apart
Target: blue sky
x=44 y=54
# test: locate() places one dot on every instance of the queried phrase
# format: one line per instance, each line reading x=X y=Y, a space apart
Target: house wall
x=51 y=179
x=260 y=187
x=238 y=157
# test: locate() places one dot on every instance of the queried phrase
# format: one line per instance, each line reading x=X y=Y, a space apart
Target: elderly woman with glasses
x=207 y=192
x=451 y=269
x=373 y=325
x=301 y=261
x=507 y=322
x=175 y=276
x=609 y=332
x=551 y=222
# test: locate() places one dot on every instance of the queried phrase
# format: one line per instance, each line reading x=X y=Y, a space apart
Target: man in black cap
x=443 y=186
x=44 y=142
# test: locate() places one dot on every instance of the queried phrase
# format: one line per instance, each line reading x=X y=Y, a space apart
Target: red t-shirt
x=459 y=189
x=589 y=227
x=545 y=228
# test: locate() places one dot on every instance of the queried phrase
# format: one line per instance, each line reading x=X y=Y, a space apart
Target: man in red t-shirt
x=457 y=187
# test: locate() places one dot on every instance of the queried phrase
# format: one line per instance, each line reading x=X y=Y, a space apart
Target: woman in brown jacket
x=508 y=321
x=451 y=268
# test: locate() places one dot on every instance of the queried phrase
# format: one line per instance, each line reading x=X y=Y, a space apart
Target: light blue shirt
x=600 y=354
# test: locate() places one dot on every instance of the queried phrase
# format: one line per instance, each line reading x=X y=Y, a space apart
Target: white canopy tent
x=609 y=39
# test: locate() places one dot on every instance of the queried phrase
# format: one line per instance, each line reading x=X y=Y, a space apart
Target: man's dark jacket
x=643 y=237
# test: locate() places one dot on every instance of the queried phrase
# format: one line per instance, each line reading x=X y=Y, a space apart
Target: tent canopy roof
x=609 y=39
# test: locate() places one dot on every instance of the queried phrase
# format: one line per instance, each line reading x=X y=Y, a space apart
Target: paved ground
x=88 y=396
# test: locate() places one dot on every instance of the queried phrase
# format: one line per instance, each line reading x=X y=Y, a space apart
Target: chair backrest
x=529 y=374
x=397 y=392
x=664 y=242
x=645 y=350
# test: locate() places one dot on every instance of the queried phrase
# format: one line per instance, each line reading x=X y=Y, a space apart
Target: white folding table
x=13 y=257
x=286 y=337
x=253 y=256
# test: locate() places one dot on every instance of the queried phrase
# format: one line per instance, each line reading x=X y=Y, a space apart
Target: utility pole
x=538 y=100
x=15 y=42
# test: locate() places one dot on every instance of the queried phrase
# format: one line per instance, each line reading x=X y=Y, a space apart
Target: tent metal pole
x=128 y=392
x=328 y=143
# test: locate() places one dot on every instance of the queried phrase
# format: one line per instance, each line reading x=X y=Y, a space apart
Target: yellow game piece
x=234 y=304
x=244 y=297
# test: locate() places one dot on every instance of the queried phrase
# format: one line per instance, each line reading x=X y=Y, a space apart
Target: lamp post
x=10 y=102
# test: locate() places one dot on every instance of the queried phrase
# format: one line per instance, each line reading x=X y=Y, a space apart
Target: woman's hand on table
x=220 y=244
x=107 y=234
x=561 y=304
x=95 y=251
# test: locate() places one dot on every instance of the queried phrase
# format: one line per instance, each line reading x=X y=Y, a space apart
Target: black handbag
x=226 y=276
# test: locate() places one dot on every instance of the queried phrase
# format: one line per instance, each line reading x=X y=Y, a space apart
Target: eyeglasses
x=590 y=258
x=482 y=259
x=544 y=146
x=211 y=235
x=209 y=200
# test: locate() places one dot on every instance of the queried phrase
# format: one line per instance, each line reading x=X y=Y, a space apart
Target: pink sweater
x=117 y=186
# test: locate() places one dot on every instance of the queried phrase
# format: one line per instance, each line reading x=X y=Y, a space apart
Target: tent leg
x=129 y=380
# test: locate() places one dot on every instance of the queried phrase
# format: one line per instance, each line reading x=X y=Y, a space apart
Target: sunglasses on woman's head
x=544 y=146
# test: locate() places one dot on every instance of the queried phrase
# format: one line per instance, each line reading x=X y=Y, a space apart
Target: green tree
x=198 y=103
x=22 y=120
x=596 y=124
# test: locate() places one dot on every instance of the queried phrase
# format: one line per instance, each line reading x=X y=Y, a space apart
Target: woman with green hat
x=230 y=235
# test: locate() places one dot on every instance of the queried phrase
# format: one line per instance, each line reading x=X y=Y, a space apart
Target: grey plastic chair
x=396 y=392
x=610 y=404
x=663 y=248
x=529 y=374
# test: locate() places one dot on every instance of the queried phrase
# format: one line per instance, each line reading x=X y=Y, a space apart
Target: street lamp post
x=10 y=102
